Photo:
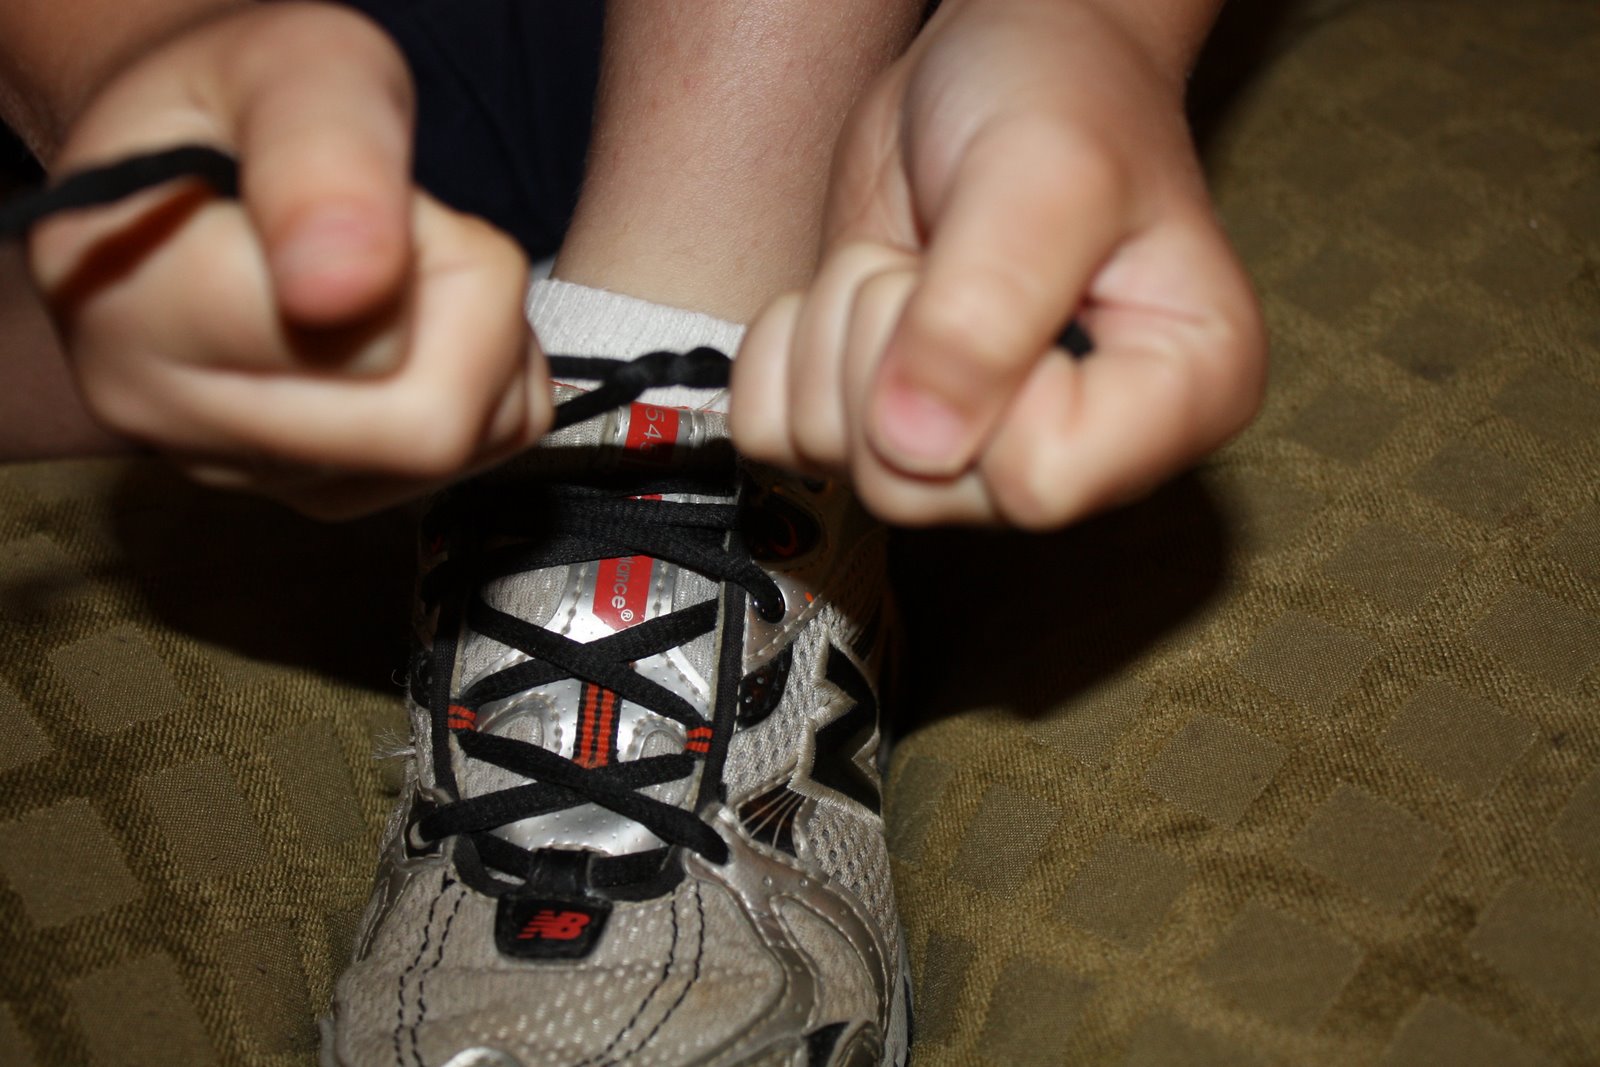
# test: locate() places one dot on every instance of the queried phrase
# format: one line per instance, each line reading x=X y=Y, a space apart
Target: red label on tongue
x=621 y=590
x=652 y=431
x=622 y=586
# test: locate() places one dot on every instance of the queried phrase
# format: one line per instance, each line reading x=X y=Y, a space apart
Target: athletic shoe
x=642 y=824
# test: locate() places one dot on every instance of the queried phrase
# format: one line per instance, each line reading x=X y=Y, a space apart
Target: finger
x=817 y=416
x=452 y=403
x=758 y=406
x=888 y=493
x=1031 y=213
x=1158 y=394
x=331 y=494
x=325 y=155
x=340 y=497
x=207 y=275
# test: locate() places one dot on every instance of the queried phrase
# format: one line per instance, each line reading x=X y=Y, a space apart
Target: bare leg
x=714 y=132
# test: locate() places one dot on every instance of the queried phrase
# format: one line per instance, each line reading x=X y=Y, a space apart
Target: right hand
x=1022 y=165
x=335 y=338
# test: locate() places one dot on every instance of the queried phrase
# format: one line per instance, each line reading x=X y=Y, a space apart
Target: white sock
x=575 y=320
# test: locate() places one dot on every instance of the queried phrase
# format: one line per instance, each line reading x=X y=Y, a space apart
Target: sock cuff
x=577 y=320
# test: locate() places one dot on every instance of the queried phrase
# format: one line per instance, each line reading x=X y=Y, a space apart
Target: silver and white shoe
x=643 y=818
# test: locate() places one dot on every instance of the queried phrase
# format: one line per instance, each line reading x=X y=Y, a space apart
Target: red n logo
x=548 y=924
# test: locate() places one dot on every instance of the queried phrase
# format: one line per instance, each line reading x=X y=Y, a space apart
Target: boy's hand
x=335 y=338
x=1025 y=163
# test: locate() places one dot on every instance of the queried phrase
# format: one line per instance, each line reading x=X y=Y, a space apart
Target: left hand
x=1022 y=165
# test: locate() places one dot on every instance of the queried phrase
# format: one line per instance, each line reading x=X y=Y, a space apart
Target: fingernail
x=324 y=243
x=919 y=432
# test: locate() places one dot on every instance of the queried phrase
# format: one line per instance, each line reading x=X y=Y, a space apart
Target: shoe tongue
x=588 y=601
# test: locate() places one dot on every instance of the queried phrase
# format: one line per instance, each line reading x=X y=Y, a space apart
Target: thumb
x=1029 y=215
x=322 y=108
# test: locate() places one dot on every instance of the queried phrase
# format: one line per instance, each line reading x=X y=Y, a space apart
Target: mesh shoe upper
x=643 y=825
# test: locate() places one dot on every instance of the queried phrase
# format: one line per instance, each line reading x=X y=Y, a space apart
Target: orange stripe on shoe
x=606 y=728
x=591 y=695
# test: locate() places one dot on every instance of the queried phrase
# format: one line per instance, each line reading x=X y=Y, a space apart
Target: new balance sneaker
x=642 y=824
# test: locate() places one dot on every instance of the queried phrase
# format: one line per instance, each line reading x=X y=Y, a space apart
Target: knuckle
x=445 y=445
x=1036 y=481
x=819 y=439
x=118 y=404
x=857 y=258
x=1037 y=497
x=968 y=336
x=433 y=456
x=1171 y=375
x=1250 y=347
x=756 y=435
x=472 y=247
x=501 y=256
x=1174 y=390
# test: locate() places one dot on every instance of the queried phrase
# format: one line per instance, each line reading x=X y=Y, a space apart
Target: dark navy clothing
x=505 y=95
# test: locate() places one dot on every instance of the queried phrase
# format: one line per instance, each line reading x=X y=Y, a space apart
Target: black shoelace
x=493 y=533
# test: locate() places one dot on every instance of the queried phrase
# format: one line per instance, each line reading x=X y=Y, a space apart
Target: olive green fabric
x=1296 y=762
x=191 y=687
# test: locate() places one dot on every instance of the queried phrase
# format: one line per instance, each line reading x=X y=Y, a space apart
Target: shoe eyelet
x=416 y=846
x=772 y=609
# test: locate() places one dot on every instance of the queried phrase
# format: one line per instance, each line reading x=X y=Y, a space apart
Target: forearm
x=55 y=55
x=713 y=136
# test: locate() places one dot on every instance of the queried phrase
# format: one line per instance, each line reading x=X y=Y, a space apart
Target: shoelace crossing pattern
x=535 y=527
